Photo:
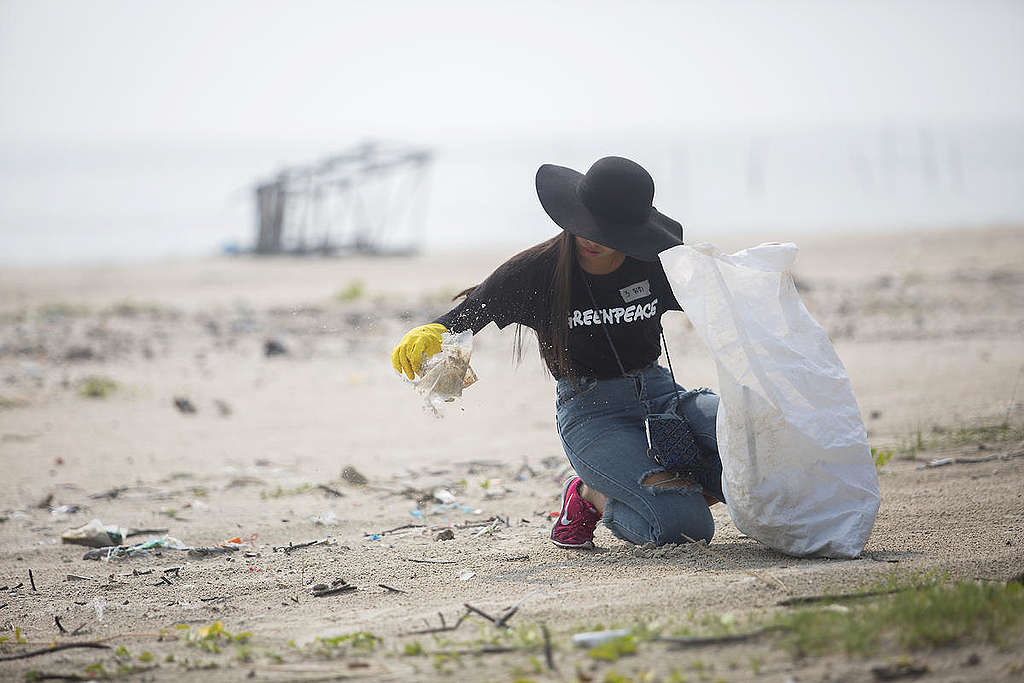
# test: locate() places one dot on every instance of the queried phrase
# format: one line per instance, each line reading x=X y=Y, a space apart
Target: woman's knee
x=684 y=529
x=681 y=513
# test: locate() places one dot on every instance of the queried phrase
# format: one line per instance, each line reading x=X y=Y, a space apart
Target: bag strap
x=608 y=336
x=586 y=281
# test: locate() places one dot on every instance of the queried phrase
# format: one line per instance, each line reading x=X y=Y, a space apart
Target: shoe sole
x=587 y=545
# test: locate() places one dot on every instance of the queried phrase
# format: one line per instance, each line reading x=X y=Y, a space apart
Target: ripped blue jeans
x=601 y=426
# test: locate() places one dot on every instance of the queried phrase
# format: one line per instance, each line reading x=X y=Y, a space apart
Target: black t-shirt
x=628 y=302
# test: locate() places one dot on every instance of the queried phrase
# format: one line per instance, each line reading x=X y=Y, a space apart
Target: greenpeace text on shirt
x=613 y=316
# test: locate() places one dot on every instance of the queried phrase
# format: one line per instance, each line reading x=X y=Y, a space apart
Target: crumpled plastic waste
x=329 y=518
x=595 y=638
x=446 y=374
x=444 y=496
x=229 y=546
x=112 y=552
x=62 y=512
x=120 y=552
x=95 y=534
x=418 y=514
x=455 y=506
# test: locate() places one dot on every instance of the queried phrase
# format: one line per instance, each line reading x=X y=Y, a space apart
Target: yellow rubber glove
x=419 y=342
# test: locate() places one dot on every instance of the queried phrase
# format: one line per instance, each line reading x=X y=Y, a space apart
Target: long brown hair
x=553 y=338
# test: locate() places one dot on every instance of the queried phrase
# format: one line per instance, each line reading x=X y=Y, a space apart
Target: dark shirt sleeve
x=507 y=296
x=671 y=304
x=471 y=314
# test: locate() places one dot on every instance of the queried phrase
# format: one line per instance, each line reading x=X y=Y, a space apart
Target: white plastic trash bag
x=797 y=469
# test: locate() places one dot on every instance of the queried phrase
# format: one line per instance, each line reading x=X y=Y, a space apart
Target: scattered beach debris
x=273 y=347
x=184 y=406
x=353 y=476
x=95 y=534
x=330 y=491
x=425 y=560
x=444 y=496
x=138 y=549
x=444 y=626
x=499 y=622
x=525 y=472
x=466 y=575
x=938 y=462
x=111 y=494
x=685 y=642
x=51 y=649
x=322 y=590
x=386 y=532
x=62 y=512
x=291 y=547
x=548 y=656
x=391 y=589
x=590 y=639
x=229 y=546
x=329 y=518
x=835 y=597
x=942 y=462
x=489 y=529
x=156 y=545
x=892 y=672
x=444 y=535
x=223 y=407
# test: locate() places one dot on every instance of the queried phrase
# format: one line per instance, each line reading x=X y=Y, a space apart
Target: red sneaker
x=574 y=527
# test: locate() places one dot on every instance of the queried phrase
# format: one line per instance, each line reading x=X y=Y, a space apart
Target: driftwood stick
x=60 y=627
x=49 y=650
x=500 y=623
x=470 y=525
x=428 y=561
x=548 y=657
x=439 y=630
x=32 y=579
x=477 y=610
x=296 y=546
x=143 y=532
x=398 y=528
x=40 y=676
x=814 y=599
x=486 y=650
x=334 y=492
x=717 y=640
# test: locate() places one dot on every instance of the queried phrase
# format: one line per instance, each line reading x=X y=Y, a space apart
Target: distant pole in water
x=369 y=199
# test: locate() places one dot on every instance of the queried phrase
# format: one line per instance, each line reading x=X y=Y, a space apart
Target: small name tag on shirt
x=636 y=291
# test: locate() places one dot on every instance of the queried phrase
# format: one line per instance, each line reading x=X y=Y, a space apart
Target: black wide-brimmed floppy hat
x=611 y=205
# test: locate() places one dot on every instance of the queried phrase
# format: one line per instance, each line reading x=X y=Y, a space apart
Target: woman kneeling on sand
x=595 y=295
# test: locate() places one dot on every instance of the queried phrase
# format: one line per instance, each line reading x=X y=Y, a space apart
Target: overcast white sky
x=175 y=70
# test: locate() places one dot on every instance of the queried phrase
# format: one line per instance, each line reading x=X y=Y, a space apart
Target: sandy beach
x=223 y=398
